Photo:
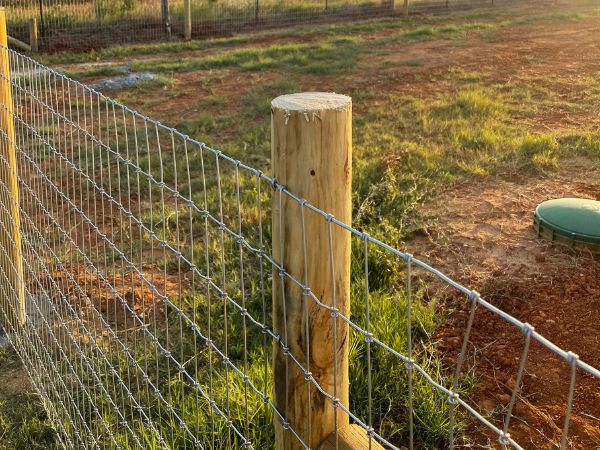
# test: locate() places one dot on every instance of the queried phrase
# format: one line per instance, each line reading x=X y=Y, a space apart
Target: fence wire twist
x=148 y=270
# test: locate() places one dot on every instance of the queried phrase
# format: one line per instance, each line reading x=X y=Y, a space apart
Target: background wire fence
x=84 y=24
x=148 y=272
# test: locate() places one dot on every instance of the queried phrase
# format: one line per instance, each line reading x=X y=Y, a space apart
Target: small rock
x=520 y=408
x=504 y=398
x=510 y=383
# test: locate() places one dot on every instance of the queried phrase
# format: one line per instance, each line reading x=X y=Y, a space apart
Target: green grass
x=330 y=56
x=414 y=62
x=321 y=59
x=452 y=25
x=24 y=424
x=215 y=100
x=257 y=102
x=204 y=125
x=102 y=71
x=406 y=150
x=408 y=147
x=453 y=136
x=23 y=421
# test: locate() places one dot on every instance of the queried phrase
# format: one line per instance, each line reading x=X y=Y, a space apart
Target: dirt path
x=486 y=240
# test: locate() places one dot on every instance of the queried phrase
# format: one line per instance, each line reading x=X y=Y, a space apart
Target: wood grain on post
x=187 y=18
x=311 y=140
x=12 y=287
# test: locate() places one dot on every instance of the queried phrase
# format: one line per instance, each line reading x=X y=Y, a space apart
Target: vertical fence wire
x=148 y=269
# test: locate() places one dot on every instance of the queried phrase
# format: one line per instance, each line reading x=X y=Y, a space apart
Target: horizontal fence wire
x=84 y=24
x=148 y=266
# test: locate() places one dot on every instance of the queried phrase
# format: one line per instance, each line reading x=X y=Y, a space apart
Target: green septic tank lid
x=576 y=219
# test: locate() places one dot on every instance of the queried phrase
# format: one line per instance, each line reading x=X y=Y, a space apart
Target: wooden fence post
x=164 y=4
x=311 y=138
x=406 y=7
x=12 y=296
x=311 y=154
x=34 y=35
x=187 y=19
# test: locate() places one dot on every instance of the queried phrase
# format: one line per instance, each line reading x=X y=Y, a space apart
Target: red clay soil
x=557 y=58
x=116 y=296
x=486 y=240
x=485 y=237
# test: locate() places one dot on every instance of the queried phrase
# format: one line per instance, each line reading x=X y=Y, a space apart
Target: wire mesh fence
x=147 y=315
x=84 y=24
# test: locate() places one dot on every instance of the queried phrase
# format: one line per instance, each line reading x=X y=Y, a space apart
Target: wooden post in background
x=406 y=7
x=12 y=293
x=187 y=19
x=34 y=35
x=311 y=138
x=164 y=4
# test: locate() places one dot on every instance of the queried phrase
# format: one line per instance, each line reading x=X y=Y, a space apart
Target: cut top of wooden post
x=306 y=102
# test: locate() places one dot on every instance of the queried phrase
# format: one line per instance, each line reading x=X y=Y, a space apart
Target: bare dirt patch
x=556 y=59
x=118 y=298
x=553 y=60
x=13 y=377
x=486 y=240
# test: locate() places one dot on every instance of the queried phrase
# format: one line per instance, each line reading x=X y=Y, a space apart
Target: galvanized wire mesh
x=148 y=270
x=83 y=24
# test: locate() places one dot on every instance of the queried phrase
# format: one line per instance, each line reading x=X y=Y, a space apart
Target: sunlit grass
x=407 y=149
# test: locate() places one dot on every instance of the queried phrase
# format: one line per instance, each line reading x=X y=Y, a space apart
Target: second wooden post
x=312 y=157
x=187 y=19
x=34 y=35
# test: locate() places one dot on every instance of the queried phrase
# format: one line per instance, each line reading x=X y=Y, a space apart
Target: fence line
x=148 y=261
x=84 y=24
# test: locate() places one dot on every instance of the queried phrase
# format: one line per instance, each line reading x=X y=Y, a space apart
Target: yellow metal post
x=12 y=287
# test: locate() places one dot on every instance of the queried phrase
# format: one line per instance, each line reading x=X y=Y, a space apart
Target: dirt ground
x=558 y=57
x=485 y=239
x=484 y=235
x=13 y=377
